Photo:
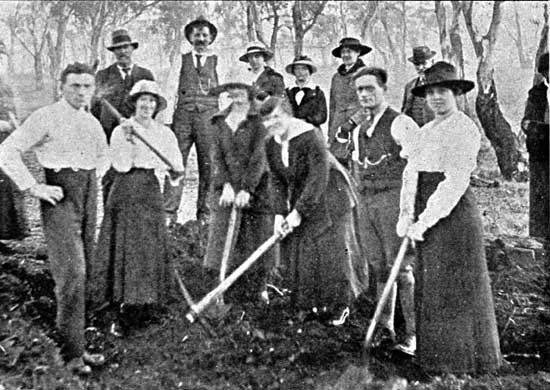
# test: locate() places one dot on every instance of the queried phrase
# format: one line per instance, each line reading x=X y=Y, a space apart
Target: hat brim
x=432 y=55
x=461 y=86
x=290 y=67
x=196 y=23
x=362 y=49
x=266 y=53
x=161 y=101
x=233 y=85
x=121 y=44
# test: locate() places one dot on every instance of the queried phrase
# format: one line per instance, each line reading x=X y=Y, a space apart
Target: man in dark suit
x=115 y=82
x=264 y=78
x=414 y=106
x=194 y=108
x=307 y=100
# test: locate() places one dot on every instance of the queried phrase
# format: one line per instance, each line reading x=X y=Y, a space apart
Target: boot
x=406 y=295
x=385 y=333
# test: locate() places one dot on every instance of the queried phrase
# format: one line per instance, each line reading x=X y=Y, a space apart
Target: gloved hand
x=228 y=195
x=403 y=225
x=416 y=231
x=242 y=199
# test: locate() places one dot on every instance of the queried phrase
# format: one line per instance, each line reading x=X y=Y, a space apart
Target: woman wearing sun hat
x=455 y=317
x=240 y=179
x=307 y=100
x=264 y=78
x=132 y=262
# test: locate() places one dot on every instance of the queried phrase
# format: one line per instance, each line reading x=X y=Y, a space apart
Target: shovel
x=198 y=308
x=387 y=289
x=234 y=222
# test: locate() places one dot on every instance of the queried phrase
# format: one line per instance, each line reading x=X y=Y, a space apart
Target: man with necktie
x=307 y=100
x=114 y=84
x=414 y=106
x=191 y=120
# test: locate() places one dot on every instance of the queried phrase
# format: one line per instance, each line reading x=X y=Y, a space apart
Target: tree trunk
x=543 y=45
x=524 y=61
x=94 y=45
x=404 y=33
x=496 y=128
x=343 y=23
x=250 y=33
x=298 y=23
x=38 y=71
x=372 y=7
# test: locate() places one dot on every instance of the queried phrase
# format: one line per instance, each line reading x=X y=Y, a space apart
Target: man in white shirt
x=379 y=141
x=71 y=146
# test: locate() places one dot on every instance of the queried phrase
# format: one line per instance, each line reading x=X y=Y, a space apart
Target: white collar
x=131 y=66
x=308 y=84
x=206 y=53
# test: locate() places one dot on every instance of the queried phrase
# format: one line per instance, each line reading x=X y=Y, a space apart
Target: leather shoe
x=93 y=359
x=77 y=366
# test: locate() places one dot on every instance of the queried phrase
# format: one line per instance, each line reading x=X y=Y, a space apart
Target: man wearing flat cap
x=307 y=100
x=535 y=126
x=343 y=98
x=264 y=78
x=114 y=84
x=194 y=108
x=415 y=106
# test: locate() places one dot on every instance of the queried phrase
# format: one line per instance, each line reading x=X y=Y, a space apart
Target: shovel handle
x=229 y=240
x=387 y=290
x=197 y=309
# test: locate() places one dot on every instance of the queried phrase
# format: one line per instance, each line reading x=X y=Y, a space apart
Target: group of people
x=341 y=206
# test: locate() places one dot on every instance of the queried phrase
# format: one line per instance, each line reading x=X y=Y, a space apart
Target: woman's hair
x=133 y=100
x=271 y=103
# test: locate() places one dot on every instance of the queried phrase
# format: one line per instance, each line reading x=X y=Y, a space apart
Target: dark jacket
x=312 y=183
x=239 y=158
x=535 y=123
x=270 y=82
x=312 y=107
x=414 y=106
x=343 y=98
x=111 y=86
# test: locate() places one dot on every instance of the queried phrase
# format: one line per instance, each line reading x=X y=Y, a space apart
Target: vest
x=194 y=86
x=390 y=168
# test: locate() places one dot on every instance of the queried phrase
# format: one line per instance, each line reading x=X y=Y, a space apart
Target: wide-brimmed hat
x=120 y=38
x=200 y=22
x=252 y=90
x=421 y=54
x=256 y=47
x=443 y=74
x=352 y=43
x=148 y=87
x=301 y=60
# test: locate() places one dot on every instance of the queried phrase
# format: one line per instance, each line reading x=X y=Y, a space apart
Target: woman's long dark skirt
x=12 y=218
x=455 y=316
x=132 y=265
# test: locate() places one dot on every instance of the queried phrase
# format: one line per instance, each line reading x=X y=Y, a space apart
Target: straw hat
x=256 y=47
x=148 y=87
x=301 y=60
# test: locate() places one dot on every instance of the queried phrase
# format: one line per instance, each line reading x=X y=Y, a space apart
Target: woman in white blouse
x=132 y=259
x=456 y=326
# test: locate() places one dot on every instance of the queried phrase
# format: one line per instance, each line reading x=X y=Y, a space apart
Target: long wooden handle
x=119 y=117
x=229 y=241
x=387 y=289
x=241 y=269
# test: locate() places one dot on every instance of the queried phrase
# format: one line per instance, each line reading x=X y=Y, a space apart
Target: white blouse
x=449 y=146
x=127 y=154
